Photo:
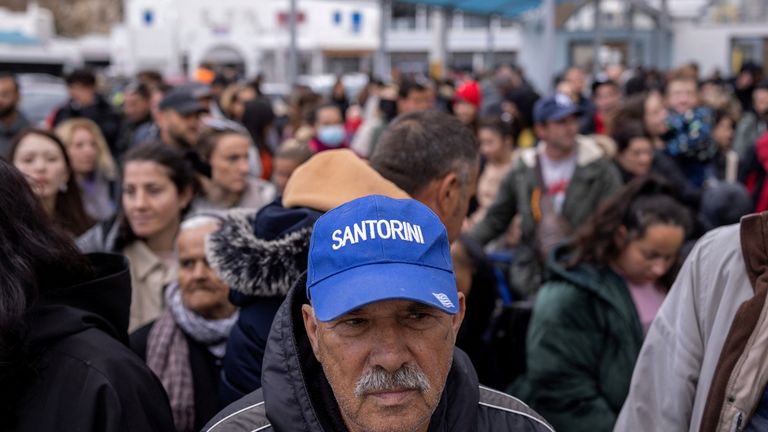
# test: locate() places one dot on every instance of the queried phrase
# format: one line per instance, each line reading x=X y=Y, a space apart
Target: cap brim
x=565 y=112
x=354 y=288
x=191 y=109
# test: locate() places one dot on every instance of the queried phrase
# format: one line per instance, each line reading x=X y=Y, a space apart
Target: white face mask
x=331 y=136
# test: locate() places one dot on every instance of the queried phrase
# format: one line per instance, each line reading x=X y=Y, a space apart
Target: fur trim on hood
x=253 y=266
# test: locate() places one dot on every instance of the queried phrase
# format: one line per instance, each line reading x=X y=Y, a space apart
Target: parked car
x=40 y=95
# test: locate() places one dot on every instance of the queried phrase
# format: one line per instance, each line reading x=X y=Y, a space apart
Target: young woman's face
x=722 y=133
x=42 y=162
x=648 y=258
x=655 y=115
x=83 y=151
x=229 y=163
x=491 y=144
x=637 y=157
x=150 y=199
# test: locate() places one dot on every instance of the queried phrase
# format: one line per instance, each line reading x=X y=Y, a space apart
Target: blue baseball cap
x=553 y=108
x=377 y=248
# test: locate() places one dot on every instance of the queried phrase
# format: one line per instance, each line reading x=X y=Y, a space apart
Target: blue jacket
x=260 y=255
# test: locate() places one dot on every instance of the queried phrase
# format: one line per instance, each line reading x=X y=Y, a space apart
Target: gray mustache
x=379 y=379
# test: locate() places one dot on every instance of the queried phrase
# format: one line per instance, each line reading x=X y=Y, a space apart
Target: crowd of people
x=195 y=248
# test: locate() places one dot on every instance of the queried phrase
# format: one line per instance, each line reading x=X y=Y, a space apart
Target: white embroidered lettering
x=336 y=236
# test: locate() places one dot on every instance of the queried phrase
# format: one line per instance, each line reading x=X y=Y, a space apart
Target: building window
x=357 y=21
x=403 y=16
x=475 y=21
x=148 y=17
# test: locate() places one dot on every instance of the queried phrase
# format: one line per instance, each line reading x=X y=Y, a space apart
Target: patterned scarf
x=168 y=352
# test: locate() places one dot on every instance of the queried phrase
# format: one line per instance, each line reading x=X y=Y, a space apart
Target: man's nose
x=390 y=349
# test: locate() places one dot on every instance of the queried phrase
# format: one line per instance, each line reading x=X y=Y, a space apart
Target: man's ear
x=448 y=194
x=310 y=325
x=459 y=317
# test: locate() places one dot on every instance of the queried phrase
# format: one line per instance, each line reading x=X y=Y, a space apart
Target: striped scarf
x=168 y=352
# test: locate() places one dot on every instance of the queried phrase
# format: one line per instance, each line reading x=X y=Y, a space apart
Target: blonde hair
x=105 y=165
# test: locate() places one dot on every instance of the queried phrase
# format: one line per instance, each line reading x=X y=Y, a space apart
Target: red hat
x=469 y=91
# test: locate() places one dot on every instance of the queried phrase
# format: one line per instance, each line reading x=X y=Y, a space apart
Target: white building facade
x=333 y=37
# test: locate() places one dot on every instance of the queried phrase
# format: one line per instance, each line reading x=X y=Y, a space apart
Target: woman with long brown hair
x=43 y=160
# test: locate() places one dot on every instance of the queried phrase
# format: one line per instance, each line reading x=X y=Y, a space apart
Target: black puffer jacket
x=296 y=396
x=87 y=377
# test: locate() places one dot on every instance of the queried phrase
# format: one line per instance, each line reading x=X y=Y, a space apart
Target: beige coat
x=149 y=275
x=702 y=366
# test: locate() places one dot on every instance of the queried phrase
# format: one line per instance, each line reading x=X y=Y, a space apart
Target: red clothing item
x=761 y=149
x=266 y=164
x=599 y=124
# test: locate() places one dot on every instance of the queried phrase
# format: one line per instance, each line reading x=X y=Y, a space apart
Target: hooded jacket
x=702 y=366
x=260 y=255
x=296 y=396
x=87 y=377
x=584 y=337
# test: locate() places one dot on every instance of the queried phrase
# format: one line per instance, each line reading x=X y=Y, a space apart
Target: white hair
x=198 y=220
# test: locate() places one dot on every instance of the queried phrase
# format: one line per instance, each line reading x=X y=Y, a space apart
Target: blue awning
x=507 y=8
x=17 y=38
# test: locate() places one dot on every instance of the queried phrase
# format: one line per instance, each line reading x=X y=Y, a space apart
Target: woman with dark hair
x=590 y=317
x=225 y=147
x=258 y=118
x=64 y=360
x=634 y=149
x=43 y=160
x=158 y=187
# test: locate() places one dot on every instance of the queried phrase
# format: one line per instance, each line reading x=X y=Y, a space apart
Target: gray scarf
x=211 y=333
x=168 y=352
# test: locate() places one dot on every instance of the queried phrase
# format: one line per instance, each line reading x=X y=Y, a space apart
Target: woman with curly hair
x=604 y=289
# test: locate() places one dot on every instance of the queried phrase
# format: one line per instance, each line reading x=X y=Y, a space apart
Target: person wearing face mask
x=43 y=160
x=589 y=320
x=158 y=185
x=329 y=128
x=185 y=345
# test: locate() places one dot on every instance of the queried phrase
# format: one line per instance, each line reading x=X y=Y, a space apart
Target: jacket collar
x=754 y=234
x=587 y=151
x=334 y=177
x=143 y=260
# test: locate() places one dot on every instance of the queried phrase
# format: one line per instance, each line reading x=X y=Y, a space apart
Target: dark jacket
x=205 y=373
x=296 y=397
x=584 y=338
x=88 y=378
x=270 y=253
x=8 y=132
x=101 y=112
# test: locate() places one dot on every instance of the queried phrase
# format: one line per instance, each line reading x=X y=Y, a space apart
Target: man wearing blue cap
x=365 y=342
x=554 y=186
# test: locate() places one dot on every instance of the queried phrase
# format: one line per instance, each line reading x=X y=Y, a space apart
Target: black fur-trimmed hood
x=262 y=254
